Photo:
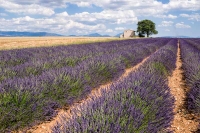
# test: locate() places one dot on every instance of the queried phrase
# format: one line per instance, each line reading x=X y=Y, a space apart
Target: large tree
x=146 y=27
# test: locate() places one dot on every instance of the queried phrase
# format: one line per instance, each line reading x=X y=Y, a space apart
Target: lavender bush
x=140 y=103
x=191 y=64
x=36 y=81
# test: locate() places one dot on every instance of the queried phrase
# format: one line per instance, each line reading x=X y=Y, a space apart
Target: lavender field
x=36 y=82
x=191 y=65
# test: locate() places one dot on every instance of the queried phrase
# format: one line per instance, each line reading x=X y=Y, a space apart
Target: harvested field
x=27 y=42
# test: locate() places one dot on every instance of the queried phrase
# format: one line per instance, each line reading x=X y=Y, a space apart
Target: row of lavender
x=30 y=91
x=191 y=65
x=17 y=63
x=140 y=103
x=194 y=41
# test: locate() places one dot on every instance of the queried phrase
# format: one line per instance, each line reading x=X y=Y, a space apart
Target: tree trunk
x=147 y=34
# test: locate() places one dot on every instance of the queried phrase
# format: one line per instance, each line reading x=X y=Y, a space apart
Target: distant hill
x=72 y=35
x=106 y=36
x=96 y=35
x=118 y=35
x=168 y=37
x=184 y=37
x=176 y=36
x=25 y=34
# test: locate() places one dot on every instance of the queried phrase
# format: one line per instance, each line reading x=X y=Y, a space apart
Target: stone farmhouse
x=128 y=34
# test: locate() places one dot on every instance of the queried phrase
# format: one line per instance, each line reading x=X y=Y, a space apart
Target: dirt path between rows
x=46 y=127
x=183 y=122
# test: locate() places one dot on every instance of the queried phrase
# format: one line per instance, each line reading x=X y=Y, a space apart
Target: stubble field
x=27 y=42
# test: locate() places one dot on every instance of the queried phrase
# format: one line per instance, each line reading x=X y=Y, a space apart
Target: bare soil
x=46 y=127
x=184 y=122
x=27 y=42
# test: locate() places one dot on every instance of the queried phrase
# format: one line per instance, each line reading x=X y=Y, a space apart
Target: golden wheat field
x=27 y=42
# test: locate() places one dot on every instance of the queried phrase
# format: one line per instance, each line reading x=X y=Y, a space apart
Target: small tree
x=146 y=27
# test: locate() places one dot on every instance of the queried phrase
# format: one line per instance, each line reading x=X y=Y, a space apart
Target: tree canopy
x=146 y=27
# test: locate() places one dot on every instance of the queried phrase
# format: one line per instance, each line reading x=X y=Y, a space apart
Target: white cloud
x=151 y=5
x=166 y=24
x=83 y=4
x=191 y=5
x=22 y=20
x=72 y=24
x=117 y=13
x=3 y=14
x=81 y=31
x=47 y=3
x=105 y=4
x=48 y=24
x=170 y=16
x=149 y=11
x=138 y=6
x=63 y=14
x=148 y=6
x=184 y=15
x=26 y=9
x=182 y=25
x=109 y=30
x=119 y=28
x=106 y=16
x=118 y=17
x=167 y=30
x=84 y=16
x=195 y=16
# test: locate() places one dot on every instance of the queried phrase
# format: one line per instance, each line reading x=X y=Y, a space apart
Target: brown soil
x=183 y=122
x=46 y=127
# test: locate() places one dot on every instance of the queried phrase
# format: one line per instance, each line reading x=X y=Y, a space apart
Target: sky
x=106 y=17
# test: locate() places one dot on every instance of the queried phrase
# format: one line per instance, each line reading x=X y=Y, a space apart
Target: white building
x=128 y=34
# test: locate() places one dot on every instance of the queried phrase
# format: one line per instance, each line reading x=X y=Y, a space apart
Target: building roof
x=128 y=30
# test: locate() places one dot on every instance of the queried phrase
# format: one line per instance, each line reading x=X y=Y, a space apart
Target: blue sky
x=75 y=17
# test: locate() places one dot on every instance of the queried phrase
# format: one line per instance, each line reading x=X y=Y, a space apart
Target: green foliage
x=146 y=27
x=197 y=103
x=65 y=86
x=33 y=71
x=71 y=61
x=12 y=62
x=160 y=68
x=22 y=110
x=127 y=62
x=102 y=70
